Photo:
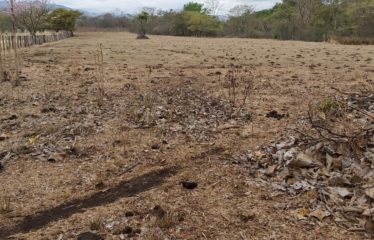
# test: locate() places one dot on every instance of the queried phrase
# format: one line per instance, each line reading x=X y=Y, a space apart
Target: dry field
x=103 y=145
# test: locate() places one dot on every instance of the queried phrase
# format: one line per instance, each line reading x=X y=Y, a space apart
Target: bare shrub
x=239 y=85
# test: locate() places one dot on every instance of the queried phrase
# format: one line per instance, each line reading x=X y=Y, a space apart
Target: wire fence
x=27 y=39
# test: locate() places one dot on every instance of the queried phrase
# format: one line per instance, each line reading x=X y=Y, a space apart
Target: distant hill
x=5 y=5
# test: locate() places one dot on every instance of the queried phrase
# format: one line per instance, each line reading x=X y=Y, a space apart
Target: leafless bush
x=32 y=15
x=239 y=85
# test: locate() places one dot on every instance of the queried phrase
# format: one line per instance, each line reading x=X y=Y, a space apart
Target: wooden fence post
x=7 y=43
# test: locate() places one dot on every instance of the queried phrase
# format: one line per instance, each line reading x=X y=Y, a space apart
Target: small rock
x=189 y=184
x=137 y=231
x=89 y=236
x=86 y=69
x=127 y=230
x=129 y=214
x=3 y=137
x=275 y=114
x=12 y=117
x=246 y=218
x=48 y=109
x=155 y=146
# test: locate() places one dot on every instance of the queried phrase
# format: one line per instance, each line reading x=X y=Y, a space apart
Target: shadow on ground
x=124 y=189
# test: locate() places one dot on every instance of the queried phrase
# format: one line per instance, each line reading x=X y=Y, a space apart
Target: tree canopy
x=63 y=19
x=194 y=7
x=309 y=20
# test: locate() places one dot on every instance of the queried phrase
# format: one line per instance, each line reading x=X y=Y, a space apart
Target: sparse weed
x=5 y=204
x=96 y=224
x=328 y=108
x=74 y=71
x=328 y=105
x=168 y=220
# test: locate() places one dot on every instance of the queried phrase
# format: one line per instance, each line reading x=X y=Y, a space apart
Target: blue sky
x=133 y=6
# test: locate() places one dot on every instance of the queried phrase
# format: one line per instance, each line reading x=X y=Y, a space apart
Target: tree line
x=37 y=16
x=309 y=20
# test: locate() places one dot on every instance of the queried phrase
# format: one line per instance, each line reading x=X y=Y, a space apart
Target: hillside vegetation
x=310 y=20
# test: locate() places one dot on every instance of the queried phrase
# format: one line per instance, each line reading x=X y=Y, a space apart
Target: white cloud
x=132 y=6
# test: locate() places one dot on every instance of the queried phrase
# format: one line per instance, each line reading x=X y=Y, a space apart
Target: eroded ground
x=80 y=151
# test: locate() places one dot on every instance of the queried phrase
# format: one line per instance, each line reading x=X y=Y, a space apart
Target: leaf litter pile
x=329 y=157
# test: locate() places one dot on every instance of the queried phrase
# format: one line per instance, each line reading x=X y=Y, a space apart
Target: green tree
x=142 y=18
x=5 y=23
x=63 y=19
x=194 y=7
x=201 y=24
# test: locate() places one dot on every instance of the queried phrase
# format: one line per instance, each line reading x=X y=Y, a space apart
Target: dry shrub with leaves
x=335 y=119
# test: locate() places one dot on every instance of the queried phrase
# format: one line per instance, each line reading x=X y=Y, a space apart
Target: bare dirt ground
x=82 y=153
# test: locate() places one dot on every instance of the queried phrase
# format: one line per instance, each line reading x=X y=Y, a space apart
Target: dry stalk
x=2 y=72
x=14 y=43
x=99 y=63
x=4 y=205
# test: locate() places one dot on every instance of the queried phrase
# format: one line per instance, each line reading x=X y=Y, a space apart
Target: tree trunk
x=14 y=43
